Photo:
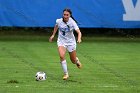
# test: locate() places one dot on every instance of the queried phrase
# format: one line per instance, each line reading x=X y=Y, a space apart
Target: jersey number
x=63 y=33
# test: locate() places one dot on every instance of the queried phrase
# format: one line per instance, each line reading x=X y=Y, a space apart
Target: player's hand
x=79 y=41
x=51 y=38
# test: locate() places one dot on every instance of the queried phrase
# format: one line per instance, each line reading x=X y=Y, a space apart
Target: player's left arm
x=79 y=35
x=76 y=28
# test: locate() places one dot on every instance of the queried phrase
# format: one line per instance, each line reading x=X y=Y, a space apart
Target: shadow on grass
x=12 y=82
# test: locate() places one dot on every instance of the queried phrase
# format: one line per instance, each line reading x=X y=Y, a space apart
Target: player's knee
x=62 y=58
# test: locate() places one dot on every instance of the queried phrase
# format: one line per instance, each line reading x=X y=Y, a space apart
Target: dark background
x=112 y=32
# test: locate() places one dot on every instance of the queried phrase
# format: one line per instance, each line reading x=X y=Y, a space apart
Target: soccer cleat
x=78 y=63
x=65 y=77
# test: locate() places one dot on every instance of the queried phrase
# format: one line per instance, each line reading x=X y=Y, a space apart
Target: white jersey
x=65 y=34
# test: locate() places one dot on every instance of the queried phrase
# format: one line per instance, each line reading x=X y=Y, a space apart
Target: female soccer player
x=66 y=40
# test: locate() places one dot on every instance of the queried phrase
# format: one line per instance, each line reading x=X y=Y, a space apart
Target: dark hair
x=69 y=10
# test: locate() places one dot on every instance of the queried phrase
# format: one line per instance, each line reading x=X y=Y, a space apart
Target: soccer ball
x=40 y=76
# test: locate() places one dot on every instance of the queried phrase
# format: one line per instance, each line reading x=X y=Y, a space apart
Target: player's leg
x=74 y=59
x=62 y=52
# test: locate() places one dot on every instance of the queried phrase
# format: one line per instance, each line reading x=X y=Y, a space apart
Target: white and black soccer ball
x=40 y=76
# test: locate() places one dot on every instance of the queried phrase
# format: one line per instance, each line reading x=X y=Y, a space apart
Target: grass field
x=110 y=65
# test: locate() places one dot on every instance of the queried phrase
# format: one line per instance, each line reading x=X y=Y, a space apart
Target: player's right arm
x=54 y=32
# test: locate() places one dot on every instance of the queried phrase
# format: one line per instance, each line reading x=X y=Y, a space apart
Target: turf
x=110 y=65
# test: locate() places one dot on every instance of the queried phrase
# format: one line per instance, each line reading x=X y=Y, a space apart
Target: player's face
x=66 y=16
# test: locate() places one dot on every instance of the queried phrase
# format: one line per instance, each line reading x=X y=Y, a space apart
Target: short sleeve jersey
x=65 y=34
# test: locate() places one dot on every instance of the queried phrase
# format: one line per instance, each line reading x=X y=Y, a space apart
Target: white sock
x=77 y=60
x=64 y=66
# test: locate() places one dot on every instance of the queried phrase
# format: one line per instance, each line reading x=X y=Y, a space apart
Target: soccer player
x=66 y=40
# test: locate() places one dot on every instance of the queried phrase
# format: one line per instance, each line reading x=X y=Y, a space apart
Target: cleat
x=78 y=63
x=65 y=77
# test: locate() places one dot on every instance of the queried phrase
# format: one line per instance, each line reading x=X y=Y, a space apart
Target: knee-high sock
x=64 y=66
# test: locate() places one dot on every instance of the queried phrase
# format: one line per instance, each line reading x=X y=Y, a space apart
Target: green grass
x=110 y=65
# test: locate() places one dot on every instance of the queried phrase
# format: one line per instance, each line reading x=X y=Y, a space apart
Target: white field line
x=96 y=86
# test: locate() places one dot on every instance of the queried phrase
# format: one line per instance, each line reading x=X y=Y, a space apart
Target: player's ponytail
x=68 y=10
x=73 y=19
